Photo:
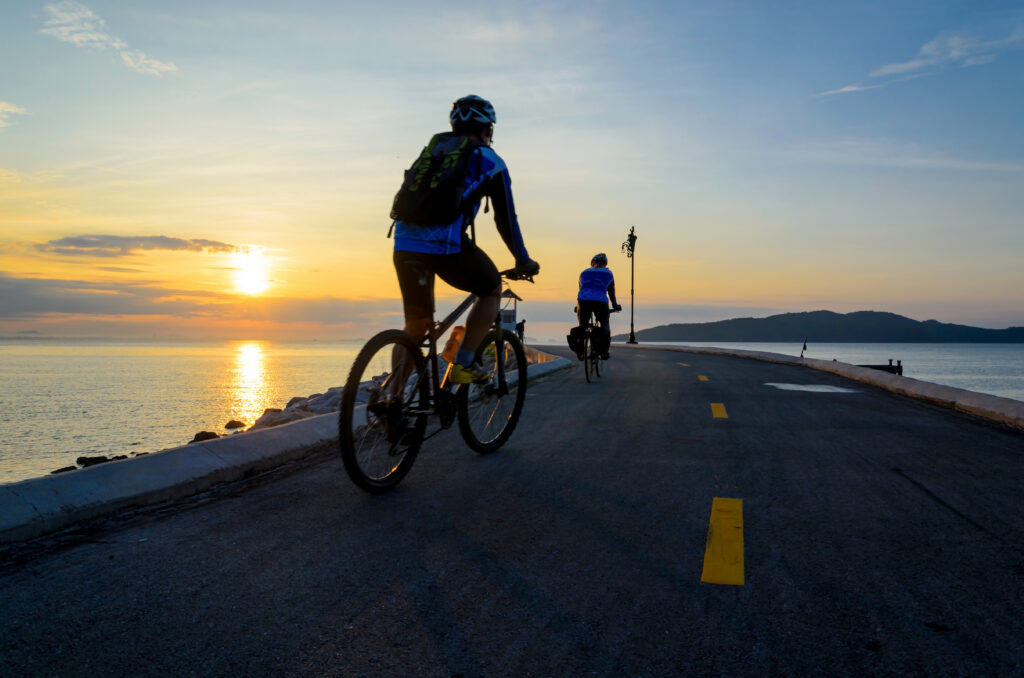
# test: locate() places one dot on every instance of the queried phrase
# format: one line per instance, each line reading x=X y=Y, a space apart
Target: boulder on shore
x=204 y=435
x=91 y=461
x=301 y=408
x=276 y=417
x=234 y=423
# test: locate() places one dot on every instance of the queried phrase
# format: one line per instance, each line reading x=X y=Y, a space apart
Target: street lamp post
x=629 y=247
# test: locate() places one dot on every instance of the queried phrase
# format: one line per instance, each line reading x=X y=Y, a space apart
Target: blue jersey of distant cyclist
x=594 y=284
x=487 y=176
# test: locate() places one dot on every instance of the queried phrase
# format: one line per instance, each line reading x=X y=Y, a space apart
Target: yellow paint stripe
x=683 y=364
x=701 y=377
x=718 y=411
x=723 y=554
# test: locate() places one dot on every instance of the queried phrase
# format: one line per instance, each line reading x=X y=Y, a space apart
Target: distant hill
x=826 y=326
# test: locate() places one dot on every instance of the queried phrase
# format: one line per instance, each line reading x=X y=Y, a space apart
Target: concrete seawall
x=39 y=506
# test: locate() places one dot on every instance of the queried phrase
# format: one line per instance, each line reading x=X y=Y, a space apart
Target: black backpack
x=431 y=193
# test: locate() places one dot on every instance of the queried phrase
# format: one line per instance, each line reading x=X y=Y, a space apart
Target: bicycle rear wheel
x=381 y=423
x=588 y=356
x=488 y=412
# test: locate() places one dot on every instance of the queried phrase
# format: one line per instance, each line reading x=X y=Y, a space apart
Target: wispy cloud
x=7 y=109
x=22 y=298
x=954 y=49
x=75 y=23
x=947 y=49
x=121 y=246
x=33 y=297
x=856 y=87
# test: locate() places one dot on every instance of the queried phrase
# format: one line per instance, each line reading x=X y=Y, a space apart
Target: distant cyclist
x=446 y=249
x=597 y=285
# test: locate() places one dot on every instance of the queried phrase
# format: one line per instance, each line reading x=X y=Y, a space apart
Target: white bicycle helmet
x=472 y=108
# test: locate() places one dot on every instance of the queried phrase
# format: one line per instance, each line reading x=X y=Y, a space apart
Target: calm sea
x=64 y=399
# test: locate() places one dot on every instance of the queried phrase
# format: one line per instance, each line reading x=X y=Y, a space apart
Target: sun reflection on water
x=249 y=387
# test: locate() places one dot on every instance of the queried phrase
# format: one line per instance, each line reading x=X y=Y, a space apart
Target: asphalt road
x=881 y=536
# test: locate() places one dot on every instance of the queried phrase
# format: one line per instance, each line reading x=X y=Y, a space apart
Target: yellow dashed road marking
x=702 y=377
x=718 y=411
x=683 y=364
x=723 y=554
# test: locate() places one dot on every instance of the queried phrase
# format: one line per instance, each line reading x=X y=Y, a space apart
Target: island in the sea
x=827 y=326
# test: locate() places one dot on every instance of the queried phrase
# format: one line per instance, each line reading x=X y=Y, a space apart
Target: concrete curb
x=993 y=408
x=31 y=508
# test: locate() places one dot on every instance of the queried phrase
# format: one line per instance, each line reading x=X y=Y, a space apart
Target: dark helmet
x=472 y=108
x=599 y=259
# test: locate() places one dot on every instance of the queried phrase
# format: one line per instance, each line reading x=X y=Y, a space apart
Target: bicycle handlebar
x=516 y=274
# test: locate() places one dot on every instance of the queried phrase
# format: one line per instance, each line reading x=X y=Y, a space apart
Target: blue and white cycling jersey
x=594 y=284
x=487 y=176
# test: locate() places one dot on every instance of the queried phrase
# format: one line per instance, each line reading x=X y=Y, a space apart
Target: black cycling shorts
x=599 y=309
x=470 y=270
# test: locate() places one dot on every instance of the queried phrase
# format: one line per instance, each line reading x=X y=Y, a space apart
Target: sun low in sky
x=252 y=271
x=226 y=168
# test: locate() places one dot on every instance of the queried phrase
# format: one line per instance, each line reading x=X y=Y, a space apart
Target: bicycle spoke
x=489 y=412
x=380 y=429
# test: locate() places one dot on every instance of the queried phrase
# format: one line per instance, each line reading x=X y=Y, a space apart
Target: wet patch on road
x=814 y=388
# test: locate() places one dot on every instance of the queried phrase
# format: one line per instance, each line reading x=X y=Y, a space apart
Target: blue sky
x=772 y=156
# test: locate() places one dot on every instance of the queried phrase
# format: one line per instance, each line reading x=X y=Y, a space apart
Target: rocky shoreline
x=296 y=409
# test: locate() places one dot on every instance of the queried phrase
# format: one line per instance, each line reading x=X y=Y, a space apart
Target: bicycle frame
x=438 y=382
x=437 y=330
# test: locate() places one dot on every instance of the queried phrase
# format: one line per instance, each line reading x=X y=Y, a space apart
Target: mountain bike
x=393 y=389
x=591 y=358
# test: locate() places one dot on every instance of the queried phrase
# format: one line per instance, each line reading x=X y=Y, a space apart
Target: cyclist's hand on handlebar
x=524 y=270
x=527 y=268
x=618 y=307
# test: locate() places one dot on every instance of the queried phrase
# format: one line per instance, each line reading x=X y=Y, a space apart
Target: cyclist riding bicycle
x=448 y=251
x=597 y=285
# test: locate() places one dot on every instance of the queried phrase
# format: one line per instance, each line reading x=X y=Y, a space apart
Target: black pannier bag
x=575 y=339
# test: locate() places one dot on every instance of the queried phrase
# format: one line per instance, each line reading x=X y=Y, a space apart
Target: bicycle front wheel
x=488 y=412
x=383 y=411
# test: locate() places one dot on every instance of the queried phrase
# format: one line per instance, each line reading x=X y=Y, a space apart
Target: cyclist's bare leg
x=416 y=326
x=401 y=364
x=481 y=318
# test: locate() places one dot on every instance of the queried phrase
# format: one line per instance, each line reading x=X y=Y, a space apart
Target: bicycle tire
x=379 y=437
x=587 y=355
x=487 y=414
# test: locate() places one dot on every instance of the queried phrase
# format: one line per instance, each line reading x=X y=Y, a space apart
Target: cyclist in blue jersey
x=448 y=250
x=597 y=285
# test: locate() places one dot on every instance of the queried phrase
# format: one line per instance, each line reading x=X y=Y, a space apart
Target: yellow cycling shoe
x=473 y=374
